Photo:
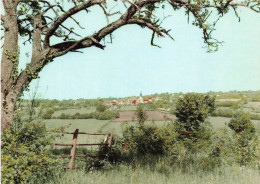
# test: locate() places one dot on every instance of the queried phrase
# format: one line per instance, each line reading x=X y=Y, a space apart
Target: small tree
x=193 y=109
x=192 y=129
x=140 y=115
x=246 y=147
x=241 y=123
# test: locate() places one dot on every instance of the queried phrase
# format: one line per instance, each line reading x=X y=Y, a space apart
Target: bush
x=192 y=110
x=101 y=108
x=141 y=116
x=107 y=115
x=48 y=114
x=246 y=146
x=142 y=140
x=64 y=116
x=241 y=122
x=26 y=152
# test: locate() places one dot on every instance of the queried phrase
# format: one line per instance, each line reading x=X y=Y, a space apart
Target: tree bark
x=9 y=65
x=7 y=109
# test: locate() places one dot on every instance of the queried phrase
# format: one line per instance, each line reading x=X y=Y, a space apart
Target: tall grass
x=160 y=173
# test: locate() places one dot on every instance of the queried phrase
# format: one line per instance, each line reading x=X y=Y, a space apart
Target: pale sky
x=131 y=64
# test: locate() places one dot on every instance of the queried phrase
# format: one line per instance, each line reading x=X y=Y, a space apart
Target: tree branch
x=66 y=15
x=36 y=37
x=149 y=25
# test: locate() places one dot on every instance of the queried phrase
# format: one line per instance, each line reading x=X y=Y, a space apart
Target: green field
x=106 y=126
x=74 y=111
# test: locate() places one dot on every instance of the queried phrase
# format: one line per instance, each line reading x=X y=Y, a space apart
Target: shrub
x=107 y=115
x=241 y=122
x=141 y=116
x=191 y=129
x=246 y=146
x=145 y=139
x=192 y=110
x=64 y=116
x=26 y=152
x=48 y=114
x=101 y=108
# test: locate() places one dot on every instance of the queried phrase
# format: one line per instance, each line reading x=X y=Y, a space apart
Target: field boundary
x=74 y=144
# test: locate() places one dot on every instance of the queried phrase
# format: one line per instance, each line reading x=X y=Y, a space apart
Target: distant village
x=132 y=100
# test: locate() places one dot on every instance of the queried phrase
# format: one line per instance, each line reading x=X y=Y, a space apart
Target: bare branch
x=77 y=22
x=66 y=15
x=95 y=38
x=75 y=3
x=50 y=7
x=144 y=23
x=108 y=14
x=70 y=31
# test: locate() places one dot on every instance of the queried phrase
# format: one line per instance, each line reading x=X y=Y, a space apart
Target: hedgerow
x=106 y=115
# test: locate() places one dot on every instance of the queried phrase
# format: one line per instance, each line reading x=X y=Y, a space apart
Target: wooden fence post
x=73 y=149
x=110 y=140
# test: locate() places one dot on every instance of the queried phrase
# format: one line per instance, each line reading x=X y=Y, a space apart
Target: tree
x=40 y=20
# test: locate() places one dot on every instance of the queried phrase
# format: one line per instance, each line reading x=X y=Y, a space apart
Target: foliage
x=255 y=99
x=192 y=110
x=141 y=116
x=241 y=123
x=144 y=139
x=255 y=116
x=106 y=115
x=48 y=114
x=101 y=108
x=245 y=147
x=228 y=104
x=26 y=152
x=223 y=113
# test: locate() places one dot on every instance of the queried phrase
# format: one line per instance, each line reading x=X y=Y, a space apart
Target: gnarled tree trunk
x=7 y=109
x=9 y=66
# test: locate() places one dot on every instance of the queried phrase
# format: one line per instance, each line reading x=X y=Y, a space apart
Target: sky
x=130 y=65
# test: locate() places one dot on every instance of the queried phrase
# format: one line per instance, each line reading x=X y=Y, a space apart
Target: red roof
x=146 y=100
x=134 y=101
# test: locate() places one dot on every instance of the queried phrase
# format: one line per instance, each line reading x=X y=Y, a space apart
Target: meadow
x=145 y=168
x=161 y=175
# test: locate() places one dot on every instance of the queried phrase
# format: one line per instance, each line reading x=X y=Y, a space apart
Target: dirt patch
x=151 y=116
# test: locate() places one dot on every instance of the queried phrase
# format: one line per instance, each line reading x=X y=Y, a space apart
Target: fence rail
x=74 y=145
